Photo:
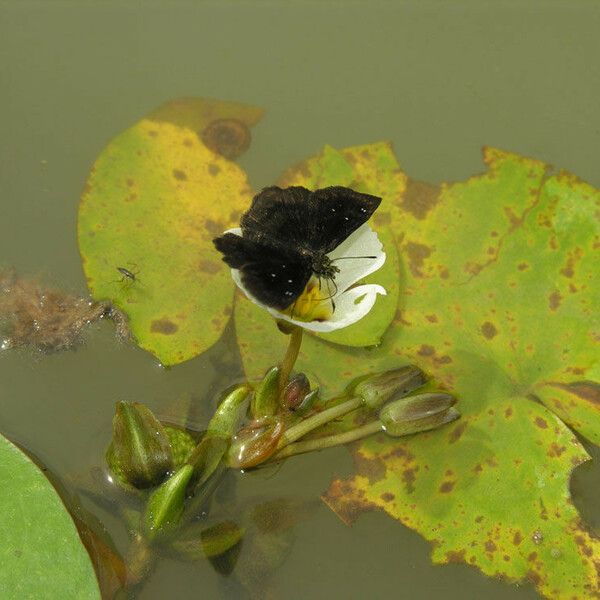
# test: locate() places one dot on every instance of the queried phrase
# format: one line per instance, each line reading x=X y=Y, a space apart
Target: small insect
x=128 y=277
x=287 y=235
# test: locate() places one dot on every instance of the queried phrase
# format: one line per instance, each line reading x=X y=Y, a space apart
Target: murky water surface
x=438 y=79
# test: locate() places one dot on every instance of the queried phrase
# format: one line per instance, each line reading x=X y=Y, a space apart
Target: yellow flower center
x=313 y=304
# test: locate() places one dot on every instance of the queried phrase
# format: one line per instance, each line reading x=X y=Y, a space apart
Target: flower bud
x=254 y=444
x=265 y=400
x=140 y=453
x=296 y=391
x=166 y=502
x=229 y=412
x=307 y=403
x=208 y=453
x=378 y=389
x=418 y=413
x=182 y=444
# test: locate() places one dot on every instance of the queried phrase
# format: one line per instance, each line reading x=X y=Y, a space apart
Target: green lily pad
x=154 y=200
x=41 y=553
x=496 y=304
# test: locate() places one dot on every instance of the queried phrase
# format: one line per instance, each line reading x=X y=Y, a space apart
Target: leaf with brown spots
x=478 y=502
x=496 y=303
x=154 y=200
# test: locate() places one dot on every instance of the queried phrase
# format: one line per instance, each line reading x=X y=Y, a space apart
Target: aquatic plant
x=490 y=289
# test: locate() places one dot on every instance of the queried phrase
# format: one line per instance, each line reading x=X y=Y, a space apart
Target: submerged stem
x=302 y=428
x=289 y=360
x=328 y=441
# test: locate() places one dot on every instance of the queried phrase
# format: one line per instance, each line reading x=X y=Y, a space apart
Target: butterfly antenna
x=353 y=257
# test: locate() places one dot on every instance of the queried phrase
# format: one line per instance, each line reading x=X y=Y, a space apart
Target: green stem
x=302 y=428
x=289 y=360
x=328 y=441
x=140 y=561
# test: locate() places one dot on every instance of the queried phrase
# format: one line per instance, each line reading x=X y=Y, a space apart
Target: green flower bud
x=255 y=443
x=378 y=389
x=208 y=453
x=226 y=418
x=307 y=403
x=140 y=453
x=166 y=503
x=296 y=391
x=418 y=413
x=182 y=444
x=265 y=401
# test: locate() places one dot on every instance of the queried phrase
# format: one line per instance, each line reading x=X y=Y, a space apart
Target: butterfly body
x=286 y=237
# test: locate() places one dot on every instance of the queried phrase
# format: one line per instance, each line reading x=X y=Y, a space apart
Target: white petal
x=350 y=306
x=363 y=242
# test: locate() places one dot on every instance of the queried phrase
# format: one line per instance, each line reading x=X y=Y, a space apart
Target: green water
x=440 y=79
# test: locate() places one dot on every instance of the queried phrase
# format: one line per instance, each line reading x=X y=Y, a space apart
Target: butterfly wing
x=311 y=222
x=274 y=277
x=335 y=213
x=279 y=217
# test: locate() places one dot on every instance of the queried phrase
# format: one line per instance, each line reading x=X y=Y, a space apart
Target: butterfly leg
x=330 y=294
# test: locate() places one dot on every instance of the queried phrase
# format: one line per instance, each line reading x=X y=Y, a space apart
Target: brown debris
x=45 y=318
x=48 y=319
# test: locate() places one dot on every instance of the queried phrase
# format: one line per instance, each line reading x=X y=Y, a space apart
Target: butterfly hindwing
x=276 y=283
x=273 y=277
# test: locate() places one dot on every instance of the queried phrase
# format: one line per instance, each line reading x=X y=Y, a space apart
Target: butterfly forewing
x=279 y=217
x=335 y=213
x=273 y=277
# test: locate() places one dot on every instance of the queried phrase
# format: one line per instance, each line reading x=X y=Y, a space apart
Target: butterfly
x=286 y=236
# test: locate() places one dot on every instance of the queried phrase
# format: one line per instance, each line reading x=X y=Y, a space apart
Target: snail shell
x=228 y=137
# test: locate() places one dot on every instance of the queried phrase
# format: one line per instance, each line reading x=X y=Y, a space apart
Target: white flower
x=314 y=309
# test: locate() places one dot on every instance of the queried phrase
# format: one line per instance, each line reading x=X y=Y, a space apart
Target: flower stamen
x=311 y=305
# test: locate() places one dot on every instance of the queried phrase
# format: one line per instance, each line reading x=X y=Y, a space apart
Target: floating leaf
x=491 y=491
x=154 y=200
x=41 y=553
x=496 y=301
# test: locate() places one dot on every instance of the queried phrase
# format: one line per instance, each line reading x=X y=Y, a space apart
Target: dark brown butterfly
x=286 y=236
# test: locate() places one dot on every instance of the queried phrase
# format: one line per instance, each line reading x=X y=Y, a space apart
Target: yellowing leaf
x=154 y=200
x=491 y=491
x=497 y=302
